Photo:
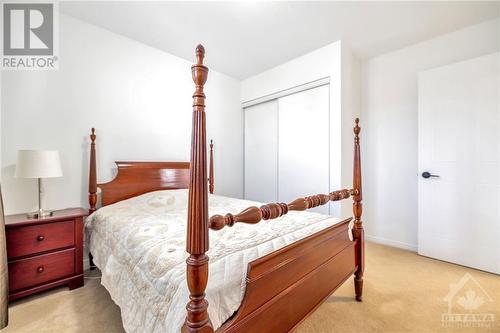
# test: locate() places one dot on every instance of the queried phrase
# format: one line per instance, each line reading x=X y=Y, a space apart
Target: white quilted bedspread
x=139 y=245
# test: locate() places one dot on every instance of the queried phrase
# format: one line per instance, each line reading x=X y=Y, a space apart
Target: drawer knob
x=40 y=269
x=40 y=238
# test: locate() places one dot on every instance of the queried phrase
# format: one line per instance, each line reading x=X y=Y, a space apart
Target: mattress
x=139 y=246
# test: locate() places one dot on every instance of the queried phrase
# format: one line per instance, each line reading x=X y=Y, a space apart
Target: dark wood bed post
x=211 y=171
x=92 y=186
x=357 y=207
x=197 y=319
x=92 y=174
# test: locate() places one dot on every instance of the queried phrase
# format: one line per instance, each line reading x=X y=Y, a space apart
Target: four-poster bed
x=281 y=287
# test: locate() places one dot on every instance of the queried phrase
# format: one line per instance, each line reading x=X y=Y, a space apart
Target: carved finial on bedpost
x=357 y=207
x=197 y=319
x=211 y=169
x=200 y=74
x=92 y=174
x=357 y=130
x=200 y=54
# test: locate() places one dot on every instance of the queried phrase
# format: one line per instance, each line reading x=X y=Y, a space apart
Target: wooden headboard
x=134 y=178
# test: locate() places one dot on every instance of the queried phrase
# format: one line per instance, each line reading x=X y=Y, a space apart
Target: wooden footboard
x=286 y=285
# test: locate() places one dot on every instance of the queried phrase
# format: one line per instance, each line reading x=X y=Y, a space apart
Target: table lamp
x=38 y=164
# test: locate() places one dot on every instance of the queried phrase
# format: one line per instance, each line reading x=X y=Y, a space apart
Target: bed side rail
x=253 y=215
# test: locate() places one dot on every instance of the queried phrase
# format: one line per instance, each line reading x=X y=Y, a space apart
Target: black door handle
x=427 y=174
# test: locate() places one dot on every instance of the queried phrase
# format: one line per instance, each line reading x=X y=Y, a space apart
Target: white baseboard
x=393 y=243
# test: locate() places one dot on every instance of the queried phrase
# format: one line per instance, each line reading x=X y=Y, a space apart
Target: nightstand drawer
x=40 y=269
x=38 y=238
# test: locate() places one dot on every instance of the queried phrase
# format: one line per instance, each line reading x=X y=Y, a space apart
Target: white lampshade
x=38 y=164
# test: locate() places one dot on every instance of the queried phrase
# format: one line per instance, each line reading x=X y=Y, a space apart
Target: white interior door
x=261 y=152
x=459 y=218
x=303 y=145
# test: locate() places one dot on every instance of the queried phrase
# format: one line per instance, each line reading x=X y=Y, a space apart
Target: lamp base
x=40 y=214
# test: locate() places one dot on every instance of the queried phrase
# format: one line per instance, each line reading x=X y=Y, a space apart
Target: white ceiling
x=247 y=37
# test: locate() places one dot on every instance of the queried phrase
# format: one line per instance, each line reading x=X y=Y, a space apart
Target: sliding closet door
x=261 y=152
x=303 y=149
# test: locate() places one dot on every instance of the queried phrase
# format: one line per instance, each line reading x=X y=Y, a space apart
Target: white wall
x=389 y=116
x=1 y=98
x=139 y=100
x=351 y=108
x=337 y=63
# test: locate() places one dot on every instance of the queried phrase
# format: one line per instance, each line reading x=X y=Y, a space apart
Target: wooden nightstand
x=44 y=253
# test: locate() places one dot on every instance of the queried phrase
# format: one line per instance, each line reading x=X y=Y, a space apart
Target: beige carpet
x=403 y=293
